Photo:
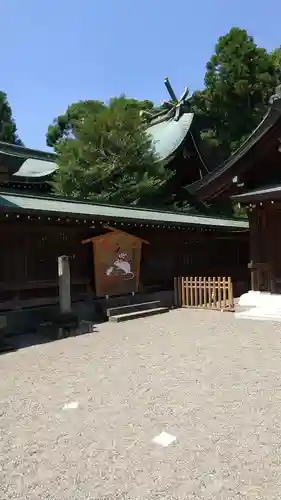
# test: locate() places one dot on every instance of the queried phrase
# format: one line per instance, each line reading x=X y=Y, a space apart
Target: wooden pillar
x=253 y=222
x=64 y=284
x=272 y=237
x=261 y=245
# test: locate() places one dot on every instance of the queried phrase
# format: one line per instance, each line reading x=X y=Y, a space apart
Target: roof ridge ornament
x=172 y=109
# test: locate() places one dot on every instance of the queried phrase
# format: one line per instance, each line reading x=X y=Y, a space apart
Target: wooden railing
x=206 y=293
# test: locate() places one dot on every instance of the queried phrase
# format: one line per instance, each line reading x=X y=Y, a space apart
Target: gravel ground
x=212 y=381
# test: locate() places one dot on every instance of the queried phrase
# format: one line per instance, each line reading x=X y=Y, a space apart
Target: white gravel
x=210 y=380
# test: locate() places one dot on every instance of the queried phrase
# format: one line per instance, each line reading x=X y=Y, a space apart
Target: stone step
x=259 y=313
x=138 y=314
x=141 y=306
x=263 y=300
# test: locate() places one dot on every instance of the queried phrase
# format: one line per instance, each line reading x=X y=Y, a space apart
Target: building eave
x=262 y=194
x=221 y=178
x=24 y=162
x=62 y=207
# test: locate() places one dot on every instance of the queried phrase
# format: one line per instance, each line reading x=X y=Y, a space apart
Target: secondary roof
x=24 y=162
x=64 y=207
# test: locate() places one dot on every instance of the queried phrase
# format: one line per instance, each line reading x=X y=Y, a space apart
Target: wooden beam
x=93 y=239
x=113 y=229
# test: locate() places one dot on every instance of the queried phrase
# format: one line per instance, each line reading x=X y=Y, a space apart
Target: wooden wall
x=29 y=251
x=192 y=253
x=28 y=262
x=265 y=246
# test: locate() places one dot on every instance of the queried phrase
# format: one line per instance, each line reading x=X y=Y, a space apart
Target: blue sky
x=57 y=52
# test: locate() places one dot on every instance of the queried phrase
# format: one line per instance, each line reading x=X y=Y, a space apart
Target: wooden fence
x=207 y=293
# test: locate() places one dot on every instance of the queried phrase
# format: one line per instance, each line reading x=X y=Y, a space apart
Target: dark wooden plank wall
x=192 y=253
x=28 y=262
x=29 y=251
x=265 y=246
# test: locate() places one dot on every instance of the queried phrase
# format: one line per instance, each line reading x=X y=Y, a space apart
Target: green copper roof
x=167 y=136
x=25 y=162
x=35 y=168
x=66 y=207
x=169 y=127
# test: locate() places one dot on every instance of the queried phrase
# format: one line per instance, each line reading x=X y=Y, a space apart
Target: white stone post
x=64 y=284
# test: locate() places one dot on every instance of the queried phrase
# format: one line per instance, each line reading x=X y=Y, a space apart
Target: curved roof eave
x=271 y=117
x=167 y=136
x=25 y=162
x=34 y=168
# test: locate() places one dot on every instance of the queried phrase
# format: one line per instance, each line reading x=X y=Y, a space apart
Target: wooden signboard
x=117 y=257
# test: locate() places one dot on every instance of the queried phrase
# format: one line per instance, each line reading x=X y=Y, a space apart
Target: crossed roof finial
x=170 y=90
x=170 y=109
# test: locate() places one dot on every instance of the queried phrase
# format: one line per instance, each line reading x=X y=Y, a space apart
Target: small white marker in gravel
x=164 y=439
x=71 y=406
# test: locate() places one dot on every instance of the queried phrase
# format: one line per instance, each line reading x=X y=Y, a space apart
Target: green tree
x=65 y=125
x=104 y=154
x=239 y=80
x=8 y=129
x=276 y=59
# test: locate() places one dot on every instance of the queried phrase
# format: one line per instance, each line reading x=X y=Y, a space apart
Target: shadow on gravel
x=44 y=334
